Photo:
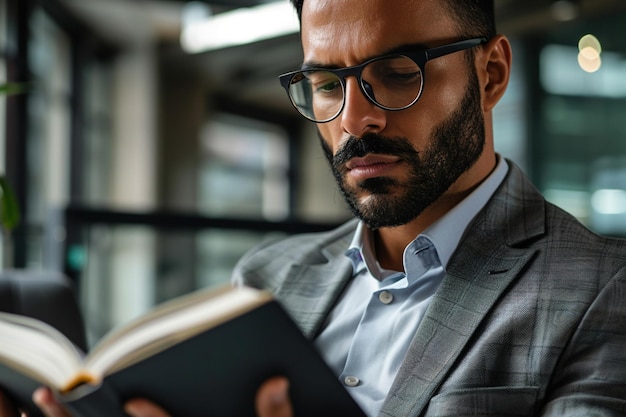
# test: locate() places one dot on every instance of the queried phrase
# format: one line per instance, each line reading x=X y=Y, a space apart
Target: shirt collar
x=361 y=250
x=445 y=233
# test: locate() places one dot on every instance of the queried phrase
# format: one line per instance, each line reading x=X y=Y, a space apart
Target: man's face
x=454 y=147
x=391 y=166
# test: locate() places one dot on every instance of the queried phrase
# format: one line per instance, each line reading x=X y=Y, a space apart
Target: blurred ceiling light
x=609 y=201
x=590 y=50
x=194 y=12
x=564 y=10
x=239 y=27
x=561 y=75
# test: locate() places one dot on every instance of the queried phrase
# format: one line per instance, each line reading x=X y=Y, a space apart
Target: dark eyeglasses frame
x=419 y=56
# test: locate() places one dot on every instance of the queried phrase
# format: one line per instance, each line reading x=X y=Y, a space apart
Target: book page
x=171 y=323
x=38 y=350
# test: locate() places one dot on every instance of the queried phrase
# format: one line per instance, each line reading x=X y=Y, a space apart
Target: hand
x=272 y=400
x=45 y=400
x=43 y=397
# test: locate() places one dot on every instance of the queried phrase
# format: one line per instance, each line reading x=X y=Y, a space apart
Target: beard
x=455 y=146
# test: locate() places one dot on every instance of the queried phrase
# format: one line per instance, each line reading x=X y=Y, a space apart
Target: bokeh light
x=590 y=51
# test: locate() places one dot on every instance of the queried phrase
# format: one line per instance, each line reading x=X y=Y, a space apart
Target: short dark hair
x=476 y=18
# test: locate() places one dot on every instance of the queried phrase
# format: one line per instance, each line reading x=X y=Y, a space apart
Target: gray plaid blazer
x=530 y=319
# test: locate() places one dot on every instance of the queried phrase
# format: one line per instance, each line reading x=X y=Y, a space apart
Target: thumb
x=48 y=404
x=272 y=399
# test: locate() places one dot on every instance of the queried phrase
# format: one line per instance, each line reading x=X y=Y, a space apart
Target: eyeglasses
x=392 y=82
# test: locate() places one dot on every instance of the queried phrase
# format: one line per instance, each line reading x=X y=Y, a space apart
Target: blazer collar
x=516 y=212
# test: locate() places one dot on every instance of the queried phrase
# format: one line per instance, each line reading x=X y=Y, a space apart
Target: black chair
x=44 y=295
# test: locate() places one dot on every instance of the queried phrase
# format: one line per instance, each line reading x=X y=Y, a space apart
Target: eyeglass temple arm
x=453 y=47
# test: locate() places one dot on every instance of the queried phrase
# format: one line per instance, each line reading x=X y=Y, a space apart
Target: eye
x=328 y=86
x=404 y=75
x=324 y=82
x=395 y=71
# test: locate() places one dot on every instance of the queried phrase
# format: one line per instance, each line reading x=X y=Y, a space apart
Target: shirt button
x=351 y=381
x=385 y=297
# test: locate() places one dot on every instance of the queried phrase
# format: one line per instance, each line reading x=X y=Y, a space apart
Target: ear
x=494 y=69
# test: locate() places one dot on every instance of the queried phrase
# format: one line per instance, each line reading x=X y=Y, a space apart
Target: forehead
x=349 y=31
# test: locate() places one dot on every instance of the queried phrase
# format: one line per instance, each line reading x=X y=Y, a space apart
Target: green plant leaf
x=9 y=209
x=14 y=88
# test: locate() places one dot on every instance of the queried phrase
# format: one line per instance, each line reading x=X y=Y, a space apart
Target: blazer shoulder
x=571 y=233
x=275 y=256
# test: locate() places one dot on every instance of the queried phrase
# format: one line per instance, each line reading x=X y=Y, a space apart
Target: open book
x=203 y=354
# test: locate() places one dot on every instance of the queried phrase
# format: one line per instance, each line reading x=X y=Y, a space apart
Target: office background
x=144 y=168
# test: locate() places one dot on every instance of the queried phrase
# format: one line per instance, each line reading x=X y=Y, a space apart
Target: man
x=460 y=290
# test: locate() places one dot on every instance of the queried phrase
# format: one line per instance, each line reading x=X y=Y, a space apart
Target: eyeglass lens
x=392 y=83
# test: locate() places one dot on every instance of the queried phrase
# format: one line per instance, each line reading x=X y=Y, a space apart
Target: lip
x=371 y=166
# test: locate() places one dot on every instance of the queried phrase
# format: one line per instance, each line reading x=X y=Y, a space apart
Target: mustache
x=373 y=143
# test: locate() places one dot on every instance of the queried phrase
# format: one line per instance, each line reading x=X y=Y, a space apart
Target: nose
x=360 y=115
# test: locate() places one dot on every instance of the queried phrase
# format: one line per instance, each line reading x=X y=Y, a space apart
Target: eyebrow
x=309 y=65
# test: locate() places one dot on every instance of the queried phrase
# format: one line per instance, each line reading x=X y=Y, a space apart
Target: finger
x=7 y=409
x=272 y=399
x=139 y=407
x=44 y=398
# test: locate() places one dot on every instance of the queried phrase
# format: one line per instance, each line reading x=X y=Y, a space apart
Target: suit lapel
x=461 y=304
x=480 y=271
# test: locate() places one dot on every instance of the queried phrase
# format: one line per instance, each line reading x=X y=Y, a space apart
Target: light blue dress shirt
x=368 y=332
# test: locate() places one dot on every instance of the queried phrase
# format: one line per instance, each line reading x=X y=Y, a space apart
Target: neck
x=390 y=242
